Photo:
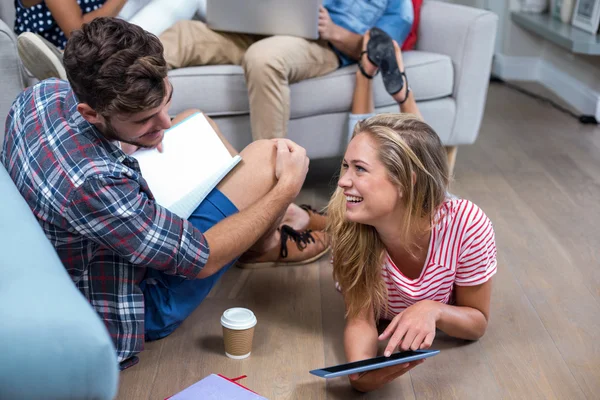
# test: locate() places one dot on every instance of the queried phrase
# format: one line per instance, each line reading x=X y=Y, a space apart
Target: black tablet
x=373 y=363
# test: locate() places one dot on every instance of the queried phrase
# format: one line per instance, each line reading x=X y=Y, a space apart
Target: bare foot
x=296 y=217
x=401 y=95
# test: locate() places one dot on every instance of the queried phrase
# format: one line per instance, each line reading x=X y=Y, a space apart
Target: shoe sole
x=274 y=264
x=381 y=49
x=38 y=57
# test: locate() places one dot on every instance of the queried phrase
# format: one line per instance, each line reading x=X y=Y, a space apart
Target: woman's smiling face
x=370 y=195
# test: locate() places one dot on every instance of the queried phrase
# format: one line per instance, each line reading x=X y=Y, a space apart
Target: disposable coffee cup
x=238 y=331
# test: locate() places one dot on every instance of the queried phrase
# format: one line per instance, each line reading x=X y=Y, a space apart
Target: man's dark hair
x=115 y=66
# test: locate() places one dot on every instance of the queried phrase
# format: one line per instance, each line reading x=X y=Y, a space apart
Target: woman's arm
x=467 y=319
x=360 y=336
x=69 y=17
x=414 y=328
x=360 y=342
x=409 y=104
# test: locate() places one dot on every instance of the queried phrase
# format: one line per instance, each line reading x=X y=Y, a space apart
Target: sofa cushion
x=54 y=345
x=221 y=90
x=7 y=12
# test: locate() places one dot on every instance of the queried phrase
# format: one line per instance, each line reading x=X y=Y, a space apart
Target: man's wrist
x=335 y=34
x=285 y=191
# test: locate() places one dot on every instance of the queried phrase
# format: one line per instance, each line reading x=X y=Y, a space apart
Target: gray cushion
x=11 y=82
x=7 y=12
x=221 y=90
x=324 y=135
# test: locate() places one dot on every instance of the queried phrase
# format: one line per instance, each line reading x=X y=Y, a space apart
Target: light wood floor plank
x=538 y=257
x=137 y=382
x=521 y=353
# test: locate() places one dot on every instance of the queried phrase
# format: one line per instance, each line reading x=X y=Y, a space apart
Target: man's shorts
x=170 y=299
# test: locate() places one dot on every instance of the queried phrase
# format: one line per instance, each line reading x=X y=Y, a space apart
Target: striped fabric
x=462 y=251
x=95 y=208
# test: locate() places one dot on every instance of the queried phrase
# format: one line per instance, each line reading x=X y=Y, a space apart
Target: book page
x=214 y=387
x=192 y=163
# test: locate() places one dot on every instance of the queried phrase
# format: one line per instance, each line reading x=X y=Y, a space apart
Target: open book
x=193 y=162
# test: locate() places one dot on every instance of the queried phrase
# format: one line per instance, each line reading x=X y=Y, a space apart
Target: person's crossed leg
x=171 y=299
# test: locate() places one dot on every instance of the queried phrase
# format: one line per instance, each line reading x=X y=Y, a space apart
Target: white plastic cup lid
x=238 y=318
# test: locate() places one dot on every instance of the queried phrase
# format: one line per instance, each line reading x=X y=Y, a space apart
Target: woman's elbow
x=478 y=331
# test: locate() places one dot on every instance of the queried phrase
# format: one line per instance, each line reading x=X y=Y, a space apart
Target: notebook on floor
x=194 y=160
x=216 y=387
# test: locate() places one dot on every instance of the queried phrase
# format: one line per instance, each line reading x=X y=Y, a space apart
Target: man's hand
x=291 y=165
x=413 y=328
x=373 y=380
x=327 y=29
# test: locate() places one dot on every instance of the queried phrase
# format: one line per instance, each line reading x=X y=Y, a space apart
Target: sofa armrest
x=11 y=78
x=54 y=345
x=468 y=36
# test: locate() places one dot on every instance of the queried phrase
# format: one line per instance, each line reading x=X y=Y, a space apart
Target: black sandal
x=362 y=69
x=407 y=88
x=381 y=52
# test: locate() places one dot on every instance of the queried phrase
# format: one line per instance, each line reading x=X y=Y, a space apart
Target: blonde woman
x=403 y=248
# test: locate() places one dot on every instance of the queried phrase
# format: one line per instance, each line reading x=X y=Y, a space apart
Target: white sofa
x=448 y=72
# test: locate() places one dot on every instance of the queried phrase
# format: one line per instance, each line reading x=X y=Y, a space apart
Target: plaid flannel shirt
x=96 y=208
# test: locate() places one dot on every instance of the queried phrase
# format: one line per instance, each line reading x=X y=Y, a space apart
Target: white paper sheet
x=193 y=162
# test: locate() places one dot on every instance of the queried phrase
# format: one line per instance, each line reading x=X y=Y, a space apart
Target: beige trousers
x=270 y=65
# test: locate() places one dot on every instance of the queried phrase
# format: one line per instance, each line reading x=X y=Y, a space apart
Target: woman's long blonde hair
x=406 y=146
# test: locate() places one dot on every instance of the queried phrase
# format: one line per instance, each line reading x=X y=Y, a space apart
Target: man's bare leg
x=294 y=216
x=251 y=179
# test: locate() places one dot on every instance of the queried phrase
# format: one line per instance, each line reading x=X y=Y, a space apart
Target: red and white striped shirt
x=462 y=251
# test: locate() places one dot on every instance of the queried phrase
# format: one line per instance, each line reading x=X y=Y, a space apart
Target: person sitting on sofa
x=404 y=249
x=272 y=63
x=141 y=267
x=44 y=26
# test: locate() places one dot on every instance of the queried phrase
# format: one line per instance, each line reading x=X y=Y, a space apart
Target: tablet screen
x=370 y=361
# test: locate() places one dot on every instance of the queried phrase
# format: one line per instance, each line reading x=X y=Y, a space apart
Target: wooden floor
x=536 y=173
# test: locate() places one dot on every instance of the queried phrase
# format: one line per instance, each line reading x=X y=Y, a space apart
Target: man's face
x=142 y=129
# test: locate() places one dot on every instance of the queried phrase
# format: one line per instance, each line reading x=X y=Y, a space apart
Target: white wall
x=518 y=51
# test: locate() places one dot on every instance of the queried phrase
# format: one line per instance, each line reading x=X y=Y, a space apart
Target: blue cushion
x=53 y=344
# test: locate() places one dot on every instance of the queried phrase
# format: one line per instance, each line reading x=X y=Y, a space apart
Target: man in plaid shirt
x=141 y=267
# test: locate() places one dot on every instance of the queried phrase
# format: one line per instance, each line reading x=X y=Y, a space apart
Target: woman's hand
x=327 y=29
x=413 y=328
x=373 y=380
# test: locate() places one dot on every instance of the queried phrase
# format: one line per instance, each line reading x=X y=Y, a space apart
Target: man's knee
x=185 y=27
x=179 y=39
x=261 y=156
x=254 y=177
x=261 y=58
x=263 y=151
